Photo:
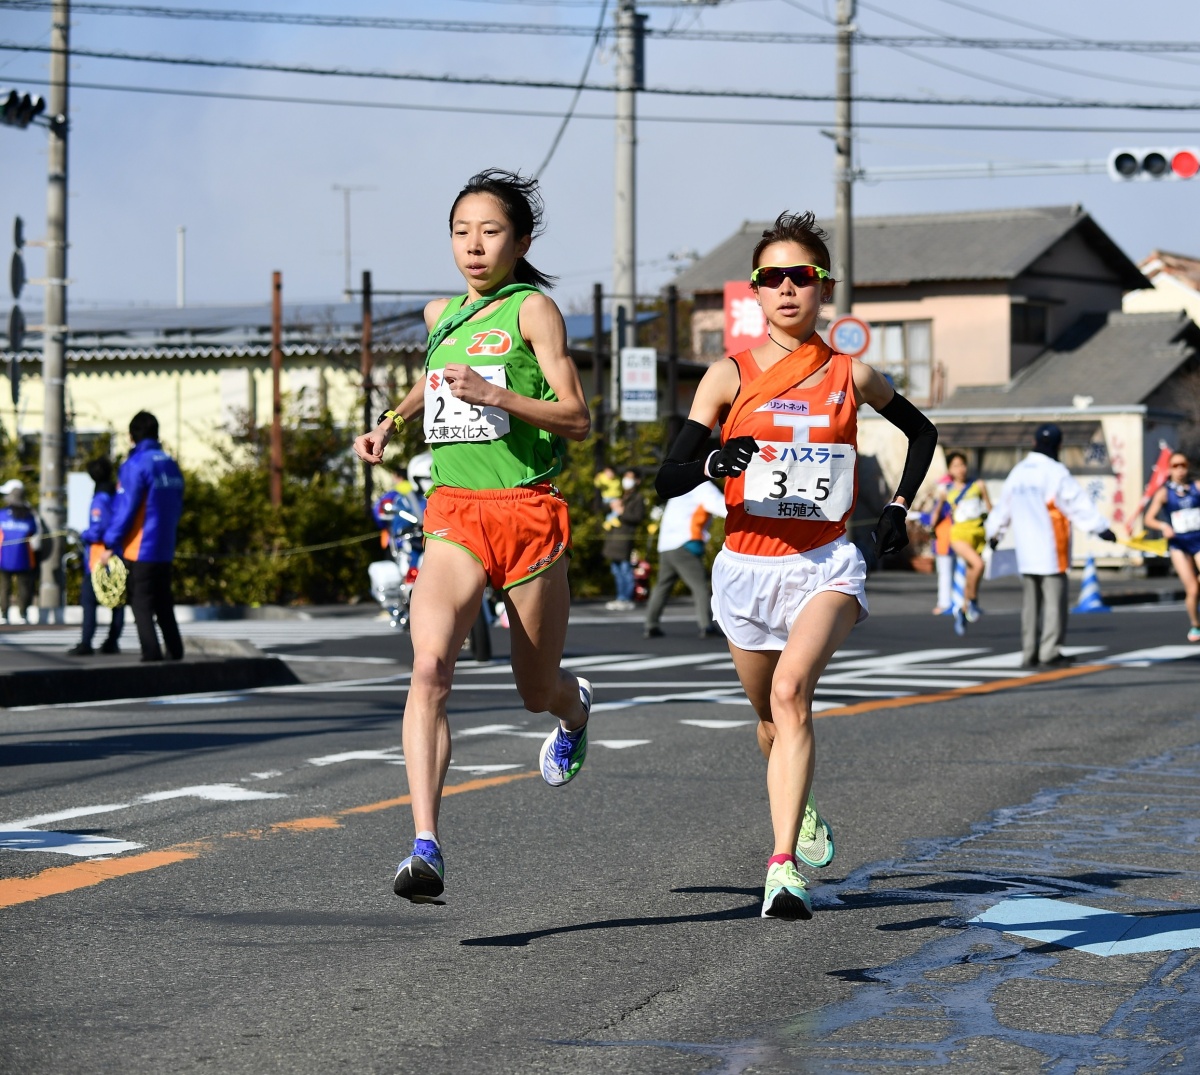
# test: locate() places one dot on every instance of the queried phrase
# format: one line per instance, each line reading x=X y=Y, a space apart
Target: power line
x=587 y=65
x=739 y=121
x=747 y=37
x=459 y=80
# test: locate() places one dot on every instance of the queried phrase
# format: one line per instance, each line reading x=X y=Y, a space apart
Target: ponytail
x=524 y=273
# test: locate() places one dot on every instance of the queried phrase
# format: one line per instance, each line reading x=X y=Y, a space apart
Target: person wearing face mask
x=1040 y=500
x=630 y=510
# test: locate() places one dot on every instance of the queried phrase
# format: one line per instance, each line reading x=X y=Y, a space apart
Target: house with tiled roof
x=1176 y=285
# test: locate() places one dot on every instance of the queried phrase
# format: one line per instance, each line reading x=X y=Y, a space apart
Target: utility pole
x=843 y=168
x=630 y=78
x=276 y=394
x=52 y=501
x=598 y=419
x=347 y=291
x=673 y=422
x=180 y=269
x=368 y=386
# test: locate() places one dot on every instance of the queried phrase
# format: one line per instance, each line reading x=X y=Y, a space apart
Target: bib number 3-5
x=448 y=419
x=801 y=481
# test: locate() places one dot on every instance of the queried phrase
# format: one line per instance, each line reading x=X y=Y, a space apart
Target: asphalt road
x=242 y=920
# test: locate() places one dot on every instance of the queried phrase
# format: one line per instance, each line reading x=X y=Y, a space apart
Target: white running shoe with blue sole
x=563 y=753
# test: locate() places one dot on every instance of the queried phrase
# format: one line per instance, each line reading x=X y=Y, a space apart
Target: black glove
x=1106 y=535
x=732 y=459
x=891 y=534
x=992 y=543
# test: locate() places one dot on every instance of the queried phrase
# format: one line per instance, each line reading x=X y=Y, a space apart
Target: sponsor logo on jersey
x=493 y=342
x=785 y=406
x=836 y=399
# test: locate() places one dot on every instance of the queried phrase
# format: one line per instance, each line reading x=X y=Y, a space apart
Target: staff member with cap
x=142 y=531
x=21 y=534
x=1040 y=500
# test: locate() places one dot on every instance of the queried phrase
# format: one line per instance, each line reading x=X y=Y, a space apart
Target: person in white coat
x=1040 y=501
x=682 y=535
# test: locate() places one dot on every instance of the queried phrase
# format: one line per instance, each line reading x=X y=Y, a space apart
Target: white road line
x=718 y=724
x=212 y=792
x=388 y=754
x=62 y=843
x=619 y=744
x=1143 y=658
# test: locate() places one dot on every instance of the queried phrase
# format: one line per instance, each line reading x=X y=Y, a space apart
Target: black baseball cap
x=1047 y=438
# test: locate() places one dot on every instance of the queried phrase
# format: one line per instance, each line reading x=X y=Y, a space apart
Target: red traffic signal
x=1154 y=162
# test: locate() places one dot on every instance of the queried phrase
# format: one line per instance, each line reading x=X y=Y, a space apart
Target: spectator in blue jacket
x=142 y=532
x=20 y=540
x=101 y=472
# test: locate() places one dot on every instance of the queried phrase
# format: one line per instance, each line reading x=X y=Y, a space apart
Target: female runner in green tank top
x=499 y=393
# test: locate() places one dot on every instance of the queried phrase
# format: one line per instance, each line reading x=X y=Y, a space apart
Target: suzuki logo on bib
x=493 y=342
x=768 y=454
x=434 y=381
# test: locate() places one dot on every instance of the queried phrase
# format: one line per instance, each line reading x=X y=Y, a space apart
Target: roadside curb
x=62 y=686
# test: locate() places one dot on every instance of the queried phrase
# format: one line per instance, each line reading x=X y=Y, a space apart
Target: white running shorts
x=756 y=599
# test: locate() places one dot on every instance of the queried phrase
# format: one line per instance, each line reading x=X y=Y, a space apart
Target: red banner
x=745 y=326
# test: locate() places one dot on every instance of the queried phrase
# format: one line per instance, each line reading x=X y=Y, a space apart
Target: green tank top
x=525 y=455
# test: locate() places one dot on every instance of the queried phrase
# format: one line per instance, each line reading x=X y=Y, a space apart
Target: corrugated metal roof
x=895 y=250
x=163 y=329
x=1115 y=358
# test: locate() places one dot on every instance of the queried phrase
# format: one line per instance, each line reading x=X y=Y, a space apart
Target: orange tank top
x=801 y=485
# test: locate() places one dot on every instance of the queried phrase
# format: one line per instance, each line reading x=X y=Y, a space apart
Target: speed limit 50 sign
x=850 y=336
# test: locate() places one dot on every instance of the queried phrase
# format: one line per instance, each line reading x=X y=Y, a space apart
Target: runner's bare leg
x=445 y=602
x=537 y=612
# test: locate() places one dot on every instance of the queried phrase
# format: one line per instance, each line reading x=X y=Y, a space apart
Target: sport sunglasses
x=801 y=275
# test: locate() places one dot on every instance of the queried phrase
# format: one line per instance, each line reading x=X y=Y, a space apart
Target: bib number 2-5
x=449 y=419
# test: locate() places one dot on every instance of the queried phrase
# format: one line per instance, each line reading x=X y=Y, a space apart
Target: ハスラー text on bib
x=800 y=481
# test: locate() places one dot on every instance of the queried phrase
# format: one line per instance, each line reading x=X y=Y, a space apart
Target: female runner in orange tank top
x=788 y=585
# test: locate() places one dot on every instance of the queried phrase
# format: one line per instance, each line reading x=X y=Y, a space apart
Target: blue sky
x=251 y=181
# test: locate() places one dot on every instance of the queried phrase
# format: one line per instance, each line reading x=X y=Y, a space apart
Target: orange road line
x=61 y=879
x=979 y=688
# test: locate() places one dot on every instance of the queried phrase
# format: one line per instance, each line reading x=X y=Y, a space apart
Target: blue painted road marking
x=1090 y=929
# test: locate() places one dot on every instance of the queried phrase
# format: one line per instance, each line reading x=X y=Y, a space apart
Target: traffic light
x=1154 y=162
x=19 y=109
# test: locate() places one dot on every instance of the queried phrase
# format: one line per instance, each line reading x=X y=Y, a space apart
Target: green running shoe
x=786 y=895
x=814 y=845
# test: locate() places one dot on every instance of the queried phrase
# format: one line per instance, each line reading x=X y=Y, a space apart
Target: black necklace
x=789 y=350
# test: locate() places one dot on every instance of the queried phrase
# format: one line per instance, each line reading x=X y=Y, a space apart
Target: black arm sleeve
x=683 y=469
x=922 y=440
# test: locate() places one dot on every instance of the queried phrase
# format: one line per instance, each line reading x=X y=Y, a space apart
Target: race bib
x=448 y=419
x=968 y=509
x=1185 y=520
x=800 y=481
